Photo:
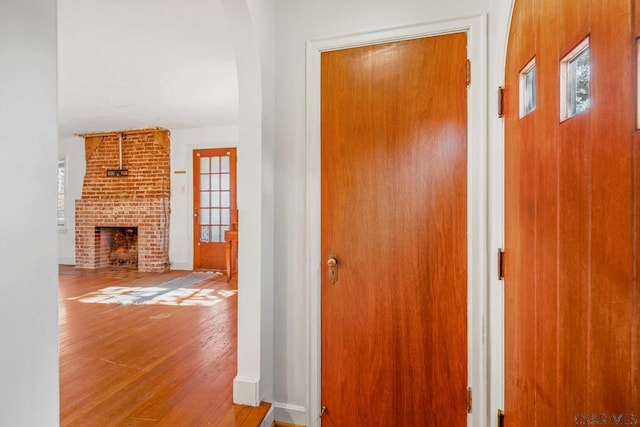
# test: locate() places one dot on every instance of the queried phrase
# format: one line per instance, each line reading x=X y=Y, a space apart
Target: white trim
x=477 y=223
x=246 y=391
x=269 y=418
x=501 y=23
x=476 y=28
x=288 y=413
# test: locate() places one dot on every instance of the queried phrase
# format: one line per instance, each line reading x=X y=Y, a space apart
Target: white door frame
x=477 y=201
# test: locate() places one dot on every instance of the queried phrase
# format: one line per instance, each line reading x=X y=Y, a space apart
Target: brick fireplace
x=126 y=187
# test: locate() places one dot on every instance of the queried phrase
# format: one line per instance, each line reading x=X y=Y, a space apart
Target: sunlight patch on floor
x=156 y=296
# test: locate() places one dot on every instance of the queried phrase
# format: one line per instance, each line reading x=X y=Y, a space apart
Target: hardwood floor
x=135 y=355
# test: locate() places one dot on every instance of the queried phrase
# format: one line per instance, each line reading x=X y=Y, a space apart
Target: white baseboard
x=292 y=414
x=246 y=391
x=180 y=266
x=268 y=419
x=66 y=261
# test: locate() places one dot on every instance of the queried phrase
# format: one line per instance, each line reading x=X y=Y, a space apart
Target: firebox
x=118 y=247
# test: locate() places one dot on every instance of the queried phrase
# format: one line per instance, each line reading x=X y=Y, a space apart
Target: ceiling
x=126 y=64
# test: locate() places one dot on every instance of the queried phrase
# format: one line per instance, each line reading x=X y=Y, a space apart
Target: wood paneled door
x=214 y=205
x=394 y=223
x=572 y=168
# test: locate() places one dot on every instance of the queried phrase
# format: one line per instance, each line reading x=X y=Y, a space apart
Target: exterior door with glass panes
x=214 y=205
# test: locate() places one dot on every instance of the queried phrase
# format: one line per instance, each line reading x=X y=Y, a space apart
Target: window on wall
x=575 y=81
x=62 y=181
x=528 y=88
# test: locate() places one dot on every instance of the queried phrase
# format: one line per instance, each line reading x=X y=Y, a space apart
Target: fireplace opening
x=118 y=247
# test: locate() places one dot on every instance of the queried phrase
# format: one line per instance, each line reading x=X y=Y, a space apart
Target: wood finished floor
x=148 y=364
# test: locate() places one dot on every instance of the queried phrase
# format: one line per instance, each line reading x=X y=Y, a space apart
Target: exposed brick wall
x=145 y=154
x=140 y=199
x=147 y=215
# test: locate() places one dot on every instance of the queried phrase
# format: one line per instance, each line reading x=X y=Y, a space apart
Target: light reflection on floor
x=156 y=296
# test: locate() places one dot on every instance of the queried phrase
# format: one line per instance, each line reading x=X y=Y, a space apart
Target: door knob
x=332 y=263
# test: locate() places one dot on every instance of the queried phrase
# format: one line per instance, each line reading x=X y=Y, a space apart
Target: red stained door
x=394 y=324
x=214 y=205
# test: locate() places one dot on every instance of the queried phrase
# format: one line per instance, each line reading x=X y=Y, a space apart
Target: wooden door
x=214 y=205
x=393 y=194
x=572 y=341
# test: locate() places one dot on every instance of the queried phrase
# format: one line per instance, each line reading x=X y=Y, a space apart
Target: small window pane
x=225 y=218
x=205 y=217
x=528 y=88
x=224 y=164
x=205 y=199
x=225 y=199
x=215 y=216
x=204 y=165
x=579 y=75
x=215 y=199
x=530 y=91
x=215 y=164
x=575 y=81
x=204 y=233
x=224 y=184
x=215 y=182
x=204 y=182
x=215 y=234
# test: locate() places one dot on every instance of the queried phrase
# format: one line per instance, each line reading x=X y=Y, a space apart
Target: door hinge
x=500 y=418
x=322 y=411
x=500 y=264
x=500 y=101
x=469 y=400
x=468 y=72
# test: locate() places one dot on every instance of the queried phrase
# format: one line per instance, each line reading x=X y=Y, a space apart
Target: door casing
x=477 y=252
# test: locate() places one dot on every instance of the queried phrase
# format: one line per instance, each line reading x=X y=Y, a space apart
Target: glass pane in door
x=214 y=203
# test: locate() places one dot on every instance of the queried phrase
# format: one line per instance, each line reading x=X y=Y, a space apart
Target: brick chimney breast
x=126 y=184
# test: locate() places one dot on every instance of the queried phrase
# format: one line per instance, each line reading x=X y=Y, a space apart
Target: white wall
x=252 y=26
x=300 y=21
x=28 y=251
x=183 y=142
x=72 y=149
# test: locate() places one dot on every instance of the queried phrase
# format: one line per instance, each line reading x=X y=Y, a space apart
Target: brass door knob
x=332 y=263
